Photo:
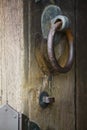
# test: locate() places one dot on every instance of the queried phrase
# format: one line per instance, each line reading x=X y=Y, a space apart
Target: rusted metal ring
x=51 y=53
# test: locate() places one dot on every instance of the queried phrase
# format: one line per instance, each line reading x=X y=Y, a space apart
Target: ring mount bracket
x=49 y=13
x=65 y=22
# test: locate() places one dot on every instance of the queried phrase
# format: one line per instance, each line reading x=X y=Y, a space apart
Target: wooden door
x=61 y=115
x=22 y=79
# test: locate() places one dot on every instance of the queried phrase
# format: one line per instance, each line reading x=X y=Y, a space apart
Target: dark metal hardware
x=45 y=99
x=14 y=120
x=34 y=126
x=55 y=27
x=49 y=13
x=50 y=48
x=65 y=22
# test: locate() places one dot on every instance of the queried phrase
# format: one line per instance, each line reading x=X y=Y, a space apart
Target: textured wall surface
x=11 y=52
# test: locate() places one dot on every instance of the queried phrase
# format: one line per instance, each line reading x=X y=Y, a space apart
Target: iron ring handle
x=51 y=53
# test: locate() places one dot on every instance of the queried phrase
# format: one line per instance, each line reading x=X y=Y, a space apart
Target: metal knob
x=45 y=99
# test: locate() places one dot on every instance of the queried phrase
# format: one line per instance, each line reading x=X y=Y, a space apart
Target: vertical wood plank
x=59 y=116
x=81 y=65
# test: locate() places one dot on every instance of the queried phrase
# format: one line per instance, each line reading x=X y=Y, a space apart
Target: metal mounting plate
x=49 y=13
x=8 y=118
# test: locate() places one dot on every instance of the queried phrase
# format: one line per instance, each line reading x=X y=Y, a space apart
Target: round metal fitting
x=41 y=102
x=65 y=22
x=50 y=48
x=45 y=99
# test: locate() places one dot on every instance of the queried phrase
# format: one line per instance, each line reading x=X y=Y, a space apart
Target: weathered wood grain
x=81 y=65
x=59 y=116
x=21 y=79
